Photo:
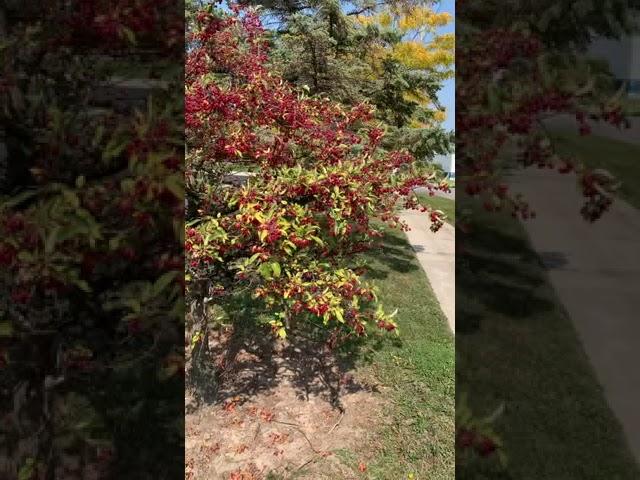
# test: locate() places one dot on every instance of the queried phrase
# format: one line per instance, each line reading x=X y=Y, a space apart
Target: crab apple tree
x=321 y=185
x=498 y=109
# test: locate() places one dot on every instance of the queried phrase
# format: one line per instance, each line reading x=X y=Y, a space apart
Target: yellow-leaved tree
x=409 y=34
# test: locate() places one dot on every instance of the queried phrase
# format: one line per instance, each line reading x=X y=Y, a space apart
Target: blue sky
x=448 y=93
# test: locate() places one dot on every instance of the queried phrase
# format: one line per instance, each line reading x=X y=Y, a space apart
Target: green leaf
x=129 y=35
x=27 y=470
x=72 y=198
x=113 y=149
x=493 y=99
x=25 y=256
x=82 y=285
x=162 y=282
x=174 y=185
x=253 y=258
x=50 y=241
x=18 y=199
x=317 y=240
x=265 y=271
x=549 y=15
x=6 y=329
x=97 y=138
x=114 y=243
x=276 y=269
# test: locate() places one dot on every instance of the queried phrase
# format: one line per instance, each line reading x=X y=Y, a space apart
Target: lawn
x=447 y=205
x=631 y=106
x=620 y=158
x=516 y=345
x=417 y=373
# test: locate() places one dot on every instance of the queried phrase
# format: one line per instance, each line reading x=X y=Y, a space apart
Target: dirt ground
x=281 y=411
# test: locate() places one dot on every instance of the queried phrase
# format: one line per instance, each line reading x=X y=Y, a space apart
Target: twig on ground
x=302 y=432
x=337 y=423
x=306 y=463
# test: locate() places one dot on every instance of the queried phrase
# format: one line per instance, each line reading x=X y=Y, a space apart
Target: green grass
x=447 y=205
x=417 y=372
x=631 y=106
x=515 y=344
x=620 y=158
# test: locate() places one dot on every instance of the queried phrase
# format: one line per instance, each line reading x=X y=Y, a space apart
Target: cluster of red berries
x=598 y=201
x=78 y=359
x=7 y=255
x=483 y=445
x=388 y=326
x=299 y=242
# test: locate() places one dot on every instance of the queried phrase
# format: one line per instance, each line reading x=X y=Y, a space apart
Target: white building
x=447 y=162
x=623 y=56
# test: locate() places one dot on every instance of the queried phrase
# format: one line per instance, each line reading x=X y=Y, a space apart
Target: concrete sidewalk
x=436 y=254
x=595 y=270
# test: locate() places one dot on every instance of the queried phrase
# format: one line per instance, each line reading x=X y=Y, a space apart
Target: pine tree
x=388 y=55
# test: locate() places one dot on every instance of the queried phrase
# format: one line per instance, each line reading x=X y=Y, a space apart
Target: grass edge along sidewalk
x=621 y=159
x=415 y=439
x=446 y=205
x=516 y=345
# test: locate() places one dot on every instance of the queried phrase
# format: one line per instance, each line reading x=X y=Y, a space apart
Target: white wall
x=616 y=52
x=447 y=162
x=623 y=55
x=635 y=58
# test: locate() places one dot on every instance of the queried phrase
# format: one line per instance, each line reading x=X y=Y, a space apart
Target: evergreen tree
x=387 y=54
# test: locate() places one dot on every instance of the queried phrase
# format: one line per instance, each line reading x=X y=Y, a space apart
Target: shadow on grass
x=516 y=346
x=500 y=274
x=393 y=255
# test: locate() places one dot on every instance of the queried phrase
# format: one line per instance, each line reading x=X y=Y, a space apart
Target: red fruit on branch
x=499 y=59
x=465 y=438
x=7 y=255
x=14 y=223
x=486 y=447
x=21 y=295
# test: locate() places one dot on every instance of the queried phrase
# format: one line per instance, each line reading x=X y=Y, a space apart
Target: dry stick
x=306 y=463
x=337 y=423
x=302 y=432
